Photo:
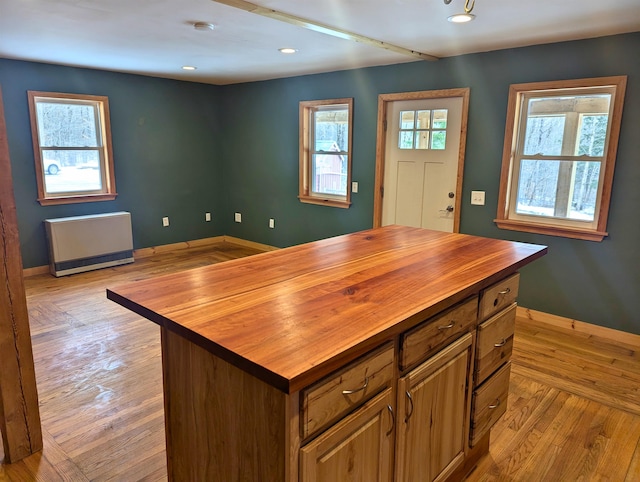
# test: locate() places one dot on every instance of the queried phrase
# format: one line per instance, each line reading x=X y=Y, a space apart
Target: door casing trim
x=381 y=139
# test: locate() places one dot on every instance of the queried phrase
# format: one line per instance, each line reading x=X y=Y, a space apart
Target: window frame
x=305 y=194
x=101 y=106
x=514 y=129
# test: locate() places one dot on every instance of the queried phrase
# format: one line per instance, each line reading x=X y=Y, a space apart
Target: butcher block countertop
x=292 y=316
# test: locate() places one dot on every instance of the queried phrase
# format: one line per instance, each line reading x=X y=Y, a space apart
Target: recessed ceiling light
x=461 y=18
x=288 y=50
x=203 y=26
x=189 y=67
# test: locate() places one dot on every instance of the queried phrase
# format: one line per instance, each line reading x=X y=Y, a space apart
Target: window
x=423 y=129
x=325 y=152
x=559 y=155
x=72 y=147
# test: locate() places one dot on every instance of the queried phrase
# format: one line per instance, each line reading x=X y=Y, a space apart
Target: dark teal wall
x=185 y=148
x=165 y=151
x=593 y=282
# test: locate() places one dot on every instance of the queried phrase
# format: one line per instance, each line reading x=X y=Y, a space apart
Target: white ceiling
x=156 y=37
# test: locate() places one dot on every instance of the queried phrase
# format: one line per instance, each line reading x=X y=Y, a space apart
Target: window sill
x=50 y=201
x=551 y=230
x=335 y=203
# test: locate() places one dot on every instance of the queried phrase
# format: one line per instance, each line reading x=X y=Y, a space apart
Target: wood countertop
x=292 y=316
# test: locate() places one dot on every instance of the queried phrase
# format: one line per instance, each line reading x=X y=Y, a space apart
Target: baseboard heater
x=84 y=243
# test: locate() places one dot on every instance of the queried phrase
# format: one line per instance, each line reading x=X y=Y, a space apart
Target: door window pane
x=440 y=118
x=422 y=140
x=438 y=140
x=423 y=129
x=423 y=119
x=406 y=119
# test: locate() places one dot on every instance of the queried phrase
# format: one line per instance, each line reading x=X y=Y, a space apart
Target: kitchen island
x=323 y=361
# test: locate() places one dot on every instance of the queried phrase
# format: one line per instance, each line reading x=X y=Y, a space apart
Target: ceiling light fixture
x=189 y=67
x=287 y=50
x=467 y=16
x=203 y=26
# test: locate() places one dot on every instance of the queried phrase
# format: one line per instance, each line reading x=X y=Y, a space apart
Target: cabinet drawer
x=495 y=342
x=434 y=333
x=489 y=403
x=330 y=398
x=498 y=296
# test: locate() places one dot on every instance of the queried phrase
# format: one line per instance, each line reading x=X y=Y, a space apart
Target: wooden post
x=19 y=413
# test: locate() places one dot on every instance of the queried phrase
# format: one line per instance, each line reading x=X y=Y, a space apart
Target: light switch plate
x=477 y=198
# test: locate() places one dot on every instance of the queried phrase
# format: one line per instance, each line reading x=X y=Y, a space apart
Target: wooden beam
x=19 y=413
x=322 y=28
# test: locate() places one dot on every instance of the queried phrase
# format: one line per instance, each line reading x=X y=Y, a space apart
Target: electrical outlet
x=272 y=223
x=207 y=216
x=165 y=221
x=354 y=186
x=238 y=217
x=477 y=198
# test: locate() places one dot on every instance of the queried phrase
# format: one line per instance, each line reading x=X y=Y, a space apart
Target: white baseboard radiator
x=84 y=243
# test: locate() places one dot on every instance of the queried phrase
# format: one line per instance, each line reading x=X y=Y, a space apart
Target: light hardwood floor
x=573 y=413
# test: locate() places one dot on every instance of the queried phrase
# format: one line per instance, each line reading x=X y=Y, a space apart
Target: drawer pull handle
x=505 y=291
x=446 y=327
x=496 y=404
x=351 y=392
x=408 y=416
x=500 y=343
x=393 y=419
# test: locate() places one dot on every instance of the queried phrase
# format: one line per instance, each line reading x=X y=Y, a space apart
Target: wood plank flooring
x=573 y=412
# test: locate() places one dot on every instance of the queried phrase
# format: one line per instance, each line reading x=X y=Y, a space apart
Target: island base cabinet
x=222 y=424
x=433 y=415
x=356 y=449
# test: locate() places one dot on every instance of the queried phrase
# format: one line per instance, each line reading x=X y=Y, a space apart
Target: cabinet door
x=356 y=449
x=433 y=415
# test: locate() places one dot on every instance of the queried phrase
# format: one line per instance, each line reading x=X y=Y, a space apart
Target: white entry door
x=421 y=162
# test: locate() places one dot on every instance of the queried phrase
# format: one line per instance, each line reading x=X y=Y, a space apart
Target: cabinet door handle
x=350 y=392
x=495 y=404
x=446 y=327
x=393 y=419
x=408 y=415
x=500 y=343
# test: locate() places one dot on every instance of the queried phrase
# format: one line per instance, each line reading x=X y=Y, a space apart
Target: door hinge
x=381 y=191
x=384 y=124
